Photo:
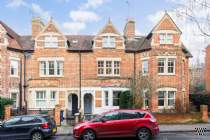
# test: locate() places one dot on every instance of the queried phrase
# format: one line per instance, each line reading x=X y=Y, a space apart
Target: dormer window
x=166 y=38
x=108 y=42
x=51 y=42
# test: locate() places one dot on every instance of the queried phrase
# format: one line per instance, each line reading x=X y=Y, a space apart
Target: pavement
x=169 y=128
x=161 y=136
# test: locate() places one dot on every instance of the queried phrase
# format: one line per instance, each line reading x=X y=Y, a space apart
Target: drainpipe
x=20 y=87
x=25 y=84
x=134 y=75
x=80 y=82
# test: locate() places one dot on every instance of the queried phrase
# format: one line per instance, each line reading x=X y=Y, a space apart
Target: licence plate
x=54 y=130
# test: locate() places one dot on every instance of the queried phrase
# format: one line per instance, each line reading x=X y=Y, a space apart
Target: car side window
x=111 y=116
x=131 y=115
x=13 y=121
x=28 y=119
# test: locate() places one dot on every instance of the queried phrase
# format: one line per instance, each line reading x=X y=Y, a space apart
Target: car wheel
x=37 y=136
x=143 y=134
x=88 y=135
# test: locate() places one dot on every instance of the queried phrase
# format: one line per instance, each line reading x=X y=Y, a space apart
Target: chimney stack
x=37 y=26
x=129 y=30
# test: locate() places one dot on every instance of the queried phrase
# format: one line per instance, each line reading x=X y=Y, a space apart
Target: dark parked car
x=35 y=127
x=118 y=123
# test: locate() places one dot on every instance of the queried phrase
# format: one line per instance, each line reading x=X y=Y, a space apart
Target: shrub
x=4 y=102
x=200 y=99
x=126 y=100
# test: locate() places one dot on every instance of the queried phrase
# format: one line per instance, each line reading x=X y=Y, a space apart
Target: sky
x=89 y=16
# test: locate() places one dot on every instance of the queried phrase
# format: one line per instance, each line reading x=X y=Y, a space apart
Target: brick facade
x=81 y=55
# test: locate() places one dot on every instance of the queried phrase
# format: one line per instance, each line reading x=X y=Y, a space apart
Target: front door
x=74 y=106
x=88 y=104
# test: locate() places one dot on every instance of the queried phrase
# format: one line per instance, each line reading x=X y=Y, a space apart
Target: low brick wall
x=168 y=118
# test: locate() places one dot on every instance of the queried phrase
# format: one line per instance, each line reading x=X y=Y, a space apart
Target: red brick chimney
x=37 y=26
x=207 y=69
x=129 y=30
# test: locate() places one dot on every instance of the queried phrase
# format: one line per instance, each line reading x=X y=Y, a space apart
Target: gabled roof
x=109 y=28
x=16 y=41
x=170 y=23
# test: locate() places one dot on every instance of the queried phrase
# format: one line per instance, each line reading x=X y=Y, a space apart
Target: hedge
x=200 y=99
x=4 y=102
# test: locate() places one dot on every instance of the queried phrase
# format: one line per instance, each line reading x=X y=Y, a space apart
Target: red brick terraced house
x=207 y=69
x=87 y=73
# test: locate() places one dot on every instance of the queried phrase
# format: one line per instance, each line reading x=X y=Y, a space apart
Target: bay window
x=166 y=98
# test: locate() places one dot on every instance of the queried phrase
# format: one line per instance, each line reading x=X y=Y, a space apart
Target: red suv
x=118 y=123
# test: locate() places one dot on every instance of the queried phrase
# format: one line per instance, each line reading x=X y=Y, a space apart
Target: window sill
x=109 y=47
x=14 y=76
x=166 y=74
x=49 y=76
x=166 y=107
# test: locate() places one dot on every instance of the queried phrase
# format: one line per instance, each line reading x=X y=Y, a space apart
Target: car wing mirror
x=103 y=120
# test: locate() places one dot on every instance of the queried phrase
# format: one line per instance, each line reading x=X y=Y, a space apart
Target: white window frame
x=108 y=42
x=16 y=100
x=115 y=98
x=105 y=67
x=166 y=66
x=12 y=61
x=166 y=98
x=145 y=70
x=43 y=100
x=51 y=41
x=45 y=72
x=166 y=38
x=145 y=98
x=53 y=100
x=106 y=98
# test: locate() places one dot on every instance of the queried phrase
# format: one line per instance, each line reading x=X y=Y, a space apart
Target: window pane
x=106 y=98
x=171 y=64
x=145 y=66
x=12 y=121
x=161 y=96
x=26 y=120
x=111 y=116
x=161 y=65
x=108 y=67
x=51 y=68
x=59 y=68
x=116 y=68
x=171 y=94
x=105 y=42
x=161 y=102
x=14 y=67
x=116 y=96
x=129 y=115
x=100 y=67
x=112 y=42
x=171 y=102
x=43 y=68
